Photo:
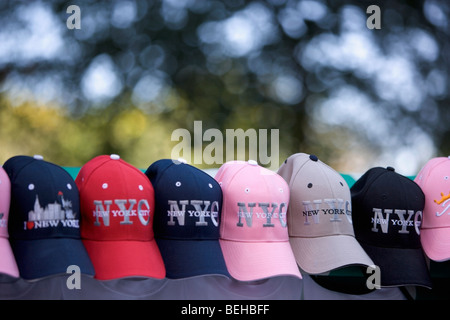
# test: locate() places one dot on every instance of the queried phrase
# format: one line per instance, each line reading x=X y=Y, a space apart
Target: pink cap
x=434 y=179
x=253 y=233
x=8 y=263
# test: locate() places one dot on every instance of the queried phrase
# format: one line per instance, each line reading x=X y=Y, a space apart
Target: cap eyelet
x=178 y=183
x=105 y=186
x=31 y=186
x=247 y=190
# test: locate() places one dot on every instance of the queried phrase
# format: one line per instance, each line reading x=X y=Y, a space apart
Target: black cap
x=387 y=213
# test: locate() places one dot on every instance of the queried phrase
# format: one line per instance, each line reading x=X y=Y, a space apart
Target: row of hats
x=247 y=222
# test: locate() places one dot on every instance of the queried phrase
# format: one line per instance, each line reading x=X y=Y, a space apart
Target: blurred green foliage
x=137 y=70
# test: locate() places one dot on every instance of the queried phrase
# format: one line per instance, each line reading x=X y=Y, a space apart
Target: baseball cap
x=188 y=204
x=44 y=219
x=117 y=206
x=320 y=216
x=253 y=231
x=387 y=214
x=434 y=181
x=8 y=263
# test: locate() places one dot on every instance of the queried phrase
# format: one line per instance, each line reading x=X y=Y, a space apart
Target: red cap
x=117 y=205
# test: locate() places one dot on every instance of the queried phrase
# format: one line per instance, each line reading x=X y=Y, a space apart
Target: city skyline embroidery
x=52 y=214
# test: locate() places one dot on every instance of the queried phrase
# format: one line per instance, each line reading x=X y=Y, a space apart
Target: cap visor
x=184 y=259
x=436 y=243
x=8 y=263
x=249 y=261
x=120 y=259
x=40 y=258
x=323 y=254
x=400 y=266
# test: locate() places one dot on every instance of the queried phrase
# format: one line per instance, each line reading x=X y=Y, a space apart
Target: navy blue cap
x=44 y=219
x=186 y=223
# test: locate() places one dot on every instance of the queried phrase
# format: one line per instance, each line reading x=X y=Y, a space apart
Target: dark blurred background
x=137 y=70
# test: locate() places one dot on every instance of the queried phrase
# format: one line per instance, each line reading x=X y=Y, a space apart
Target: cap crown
x=434 y=180
x=44 y=200
x=5 y=200
x=117 y=200
x=320 y=202
x=255 y=201
x=387 y=209
x=188 y=201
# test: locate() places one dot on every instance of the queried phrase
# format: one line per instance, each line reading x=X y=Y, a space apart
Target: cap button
x=181 y=160
x=114 y=157
x=38 y=157
x=390 y=169
x=313 y=157
x=252 y=162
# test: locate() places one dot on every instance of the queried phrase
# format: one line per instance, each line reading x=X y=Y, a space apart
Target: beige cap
x=319 y=216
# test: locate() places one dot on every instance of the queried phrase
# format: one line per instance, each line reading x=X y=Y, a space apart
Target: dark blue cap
x=186 y=223
x=44 y=219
